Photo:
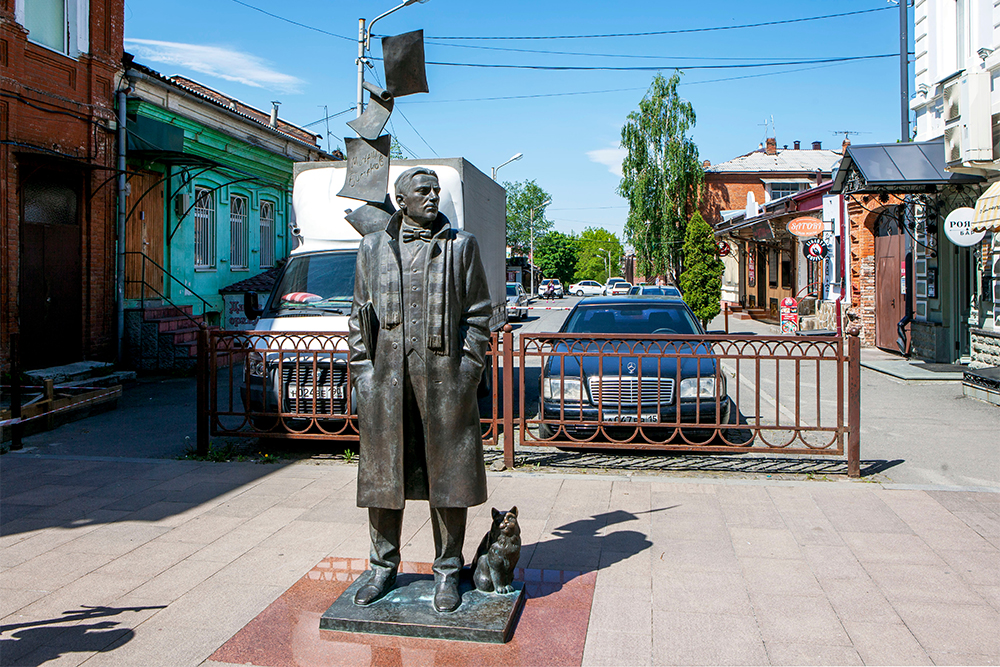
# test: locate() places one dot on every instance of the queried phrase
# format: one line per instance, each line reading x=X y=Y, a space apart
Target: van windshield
x=321 y=283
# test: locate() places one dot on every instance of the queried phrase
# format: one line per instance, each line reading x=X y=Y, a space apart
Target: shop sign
x=806 y=227
x=958 y=227
x=723 y=249
x=815 y=250
x=789 y=314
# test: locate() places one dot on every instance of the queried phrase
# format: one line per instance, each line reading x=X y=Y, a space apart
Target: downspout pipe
x=122 y=204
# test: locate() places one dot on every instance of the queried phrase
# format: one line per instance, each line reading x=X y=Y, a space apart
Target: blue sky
x=566 y=123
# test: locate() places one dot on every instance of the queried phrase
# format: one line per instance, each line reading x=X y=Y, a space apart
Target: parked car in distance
x=517 y=301
x=587 y=288
x=627 y=380
x=653 y=290
x=544 y=287
x=619 y=289
x=611 y=283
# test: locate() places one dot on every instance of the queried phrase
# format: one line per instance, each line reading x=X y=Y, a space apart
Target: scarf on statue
x=436 y=281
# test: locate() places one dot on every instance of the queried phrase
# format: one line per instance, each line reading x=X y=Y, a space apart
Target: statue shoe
x=378 y=585
x=446 y=597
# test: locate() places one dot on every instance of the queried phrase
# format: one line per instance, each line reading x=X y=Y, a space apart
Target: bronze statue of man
x=418 y=336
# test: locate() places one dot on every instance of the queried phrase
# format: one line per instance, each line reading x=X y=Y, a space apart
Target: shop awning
x=896 y=168
x=987 y=217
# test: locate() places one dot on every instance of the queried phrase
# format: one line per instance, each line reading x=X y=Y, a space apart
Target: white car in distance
x=587 y=288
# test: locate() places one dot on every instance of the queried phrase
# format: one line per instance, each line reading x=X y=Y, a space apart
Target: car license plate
x=649 y=418
x=307 y=391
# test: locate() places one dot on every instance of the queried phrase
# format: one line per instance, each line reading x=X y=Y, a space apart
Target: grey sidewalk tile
x=833 y=562
x=953 y=628
x=245 y=506
x=307 y=497
x=116 y=539
x=614 y=649
x=51 y=570
x=891 y=548
x=175 y=581
x=566 y=554
x=14 y=599
x=91 y=590
x=706 y=639
x=859 y=600
x=964 y=501
x=230 y=546
x=670 y=527
x=922 y=584
x=794 y=619
x=334 y=508
x=228 y=604
x=811 y=654
x=989 y=593
x=37 y=544
x=47 y=495
x=168 y=513
x=616 y=608
x=885 y=643
x=305 y=535
x=136 y=501
x=624 y=569
x=981 y=568
x=858 y=510
x=765 y=576
x=69 y=652
x=274 y=519
x=986 y=524
x=203 y=529
x=150 y=559
x=764 y=543
x=630 y=496
x=694 y=556
x=700 y=592
x=269 y=566
x=170 y=646
x=964 y=659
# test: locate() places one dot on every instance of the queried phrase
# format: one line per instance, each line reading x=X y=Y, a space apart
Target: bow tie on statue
x=415 y=233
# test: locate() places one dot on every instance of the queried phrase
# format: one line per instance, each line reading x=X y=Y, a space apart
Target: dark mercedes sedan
x=630 y=378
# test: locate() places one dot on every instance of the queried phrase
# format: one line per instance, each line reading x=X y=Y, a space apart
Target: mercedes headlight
x=698 y=388
x=255 y=364
x=568 y=389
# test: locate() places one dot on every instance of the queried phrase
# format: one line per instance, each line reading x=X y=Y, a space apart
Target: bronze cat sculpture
x=498 y=553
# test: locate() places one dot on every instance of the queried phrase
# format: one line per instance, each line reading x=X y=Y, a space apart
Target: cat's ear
x=496 y=514
x=513 y=510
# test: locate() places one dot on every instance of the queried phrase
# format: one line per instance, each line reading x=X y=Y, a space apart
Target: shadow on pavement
x=37 y=642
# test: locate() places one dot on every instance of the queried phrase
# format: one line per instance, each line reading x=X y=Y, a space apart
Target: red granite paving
x=551 y=630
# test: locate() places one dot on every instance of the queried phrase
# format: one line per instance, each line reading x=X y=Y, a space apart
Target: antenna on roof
x=848 y=132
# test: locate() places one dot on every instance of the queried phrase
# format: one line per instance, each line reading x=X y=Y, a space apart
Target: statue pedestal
x=408 y=610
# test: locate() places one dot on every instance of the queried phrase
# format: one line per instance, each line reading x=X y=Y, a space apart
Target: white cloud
x=215 y=61
x=610 y=157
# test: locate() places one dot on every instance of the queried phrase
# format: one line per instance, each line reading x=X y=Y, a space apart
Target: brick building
x=61 y=63
x=761 y=271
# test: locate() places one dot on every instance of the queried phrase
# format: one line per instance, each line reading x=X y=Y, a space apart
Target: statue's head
x=418 y=194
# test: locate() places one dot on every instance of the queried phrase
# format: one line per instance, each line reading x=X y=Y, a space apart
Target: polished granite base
x=551 y=630
x=408 y=610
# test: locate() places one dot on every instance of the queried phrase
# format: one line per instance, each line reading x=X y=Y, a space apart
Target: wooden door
x=51 y=275
x=889 y=304
x=144 y=233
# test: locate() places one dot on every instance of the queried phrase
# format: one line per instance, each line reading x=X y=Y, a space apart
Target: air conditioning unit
x=953 y=143
x=952 y=101
x=182 y=202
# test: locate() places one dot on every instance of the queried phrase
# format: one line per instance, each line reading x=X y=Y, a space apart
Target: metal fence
x=701 y=393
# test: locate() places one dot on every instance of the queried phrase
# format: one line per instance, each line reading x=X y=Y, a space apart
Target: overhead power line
x=629 y=56
x=654 y=68
x=680 y=31
x=301 y=25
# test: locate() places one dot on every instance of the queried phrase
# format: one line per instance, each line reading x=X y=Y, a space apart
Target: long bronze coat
x=456 y=474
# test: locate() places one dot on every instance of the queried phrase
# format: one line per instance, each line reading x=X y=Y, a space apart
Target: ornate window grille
x=239 y=242
x=266 y=234
x=204 y=229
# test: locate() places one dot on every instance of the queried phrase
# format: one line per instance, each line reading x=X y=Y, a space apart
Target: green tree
x=662 y=176
x=526 y=213
x=597 y=249
x=555 y=255
x=701 y=280
x=396 y=150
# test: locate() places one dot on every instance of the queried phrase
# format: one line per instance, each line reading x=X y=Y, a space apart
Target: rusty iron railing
x=782 y=394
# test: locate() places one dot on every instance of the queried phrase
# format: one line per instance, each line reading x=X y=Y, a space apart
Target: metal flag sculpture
x=370 y=124
x=367 y=169
x=403 y=59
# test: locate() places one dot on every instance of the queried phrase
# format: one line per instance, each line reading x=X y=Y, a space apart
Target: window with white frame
x=266 y=234
x=61 y=25
x=239 y=233
x=204 y=229
x=779 y=189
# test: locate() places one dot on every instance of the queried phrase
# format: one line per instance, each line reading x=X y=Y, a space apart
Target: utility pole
x=361 y=67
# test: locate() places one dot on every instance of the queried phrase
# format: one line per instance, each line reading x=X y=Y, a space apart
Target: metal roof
x=878 y=167
x=785 y=160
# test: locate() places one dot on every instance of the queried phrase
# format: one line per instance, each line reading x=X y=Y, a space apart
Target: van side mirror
x=251 y=305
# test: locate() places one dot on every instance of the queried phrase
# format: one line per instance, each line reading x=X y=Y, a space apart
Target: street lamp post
x=516 y=157
x=531 y=230
x=609 y=262
x=364 y=39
